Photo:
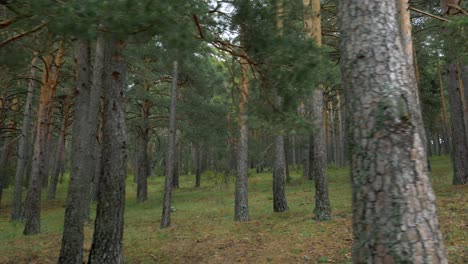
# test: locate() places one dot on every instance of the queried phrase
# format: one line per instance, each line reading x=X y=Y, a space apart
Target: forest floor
x=203 y=230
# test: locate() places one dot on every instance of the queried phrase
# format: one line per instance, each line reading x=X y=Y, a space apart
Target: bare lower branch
x=428 y=14
x=19 y=36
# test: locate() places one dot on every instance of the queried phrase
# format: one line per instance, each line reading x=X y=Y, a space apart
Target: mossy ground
x=203 y=230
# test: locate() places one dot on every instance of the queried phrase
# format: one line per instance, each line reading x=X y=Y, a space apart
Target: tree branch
x=459 y=9
x=428 y=14
x=19 y=36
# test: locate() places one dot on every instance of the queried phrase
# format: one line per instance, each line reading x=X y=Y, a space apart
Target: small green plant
x=323 y=260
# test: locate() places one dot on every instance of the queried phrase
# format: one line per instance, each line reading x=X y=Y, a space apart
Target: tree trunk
x=72 y=241
x=279 y=166
x=83 y=140
x=166 y=213
x=142 y=167
x=394 y=211
x=175 y=172
x=197 y=166
x=23 y=148
x=142 y=152
x=50 y=75
x=446 y=138
x=109 y=224
x=287 y=149
x=411 y=63
x=318 y=162
x=60 y=148
x=459 y=141
x=98 y=155
x=241 y=209
x=293 y=153
x=322 y=208
x=305 y=158
x=340 y=133
x=48 y=150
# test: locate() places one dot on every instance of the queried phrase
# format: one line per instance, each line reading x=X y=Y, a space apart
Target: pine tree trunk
x=72 y=241
x=166 y=213
x=197 y=166
x=459 y=141
x=340 y=133
x=109 y=224
x=241 y=209
x=446 y=138
x=32 y=206
x=318 y=152
x=48 y=151
x=322 y=208
x=142 y=167
x=293 y=153
x=305 y=159
x=23 y=148
x=98 y=155
x=287 y=149
x=59 y=150
x=175 y=175
x=83 y=141
x=394 y=211
x=411 y=63
x=142 y=151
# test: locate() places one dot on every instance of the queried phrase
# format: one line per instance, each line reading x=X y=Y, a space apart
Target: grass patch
x=203 y=230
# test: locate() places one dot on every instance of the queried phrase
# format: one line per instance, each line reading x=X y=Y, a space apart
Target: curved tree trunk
x=109 y=225
x=394 y=211
x=32 y=206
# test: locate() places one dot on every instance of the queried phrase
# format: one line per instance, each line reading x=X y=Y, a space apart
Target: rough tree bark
x=394 y=211
x=109 y=225
x=98 y=157
x=23 y=148
x=83 y=140
x=50 y=76
x=71 y=250
x=318 y=153
x=411 y=64
x=166 y=213
x=241 y=209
